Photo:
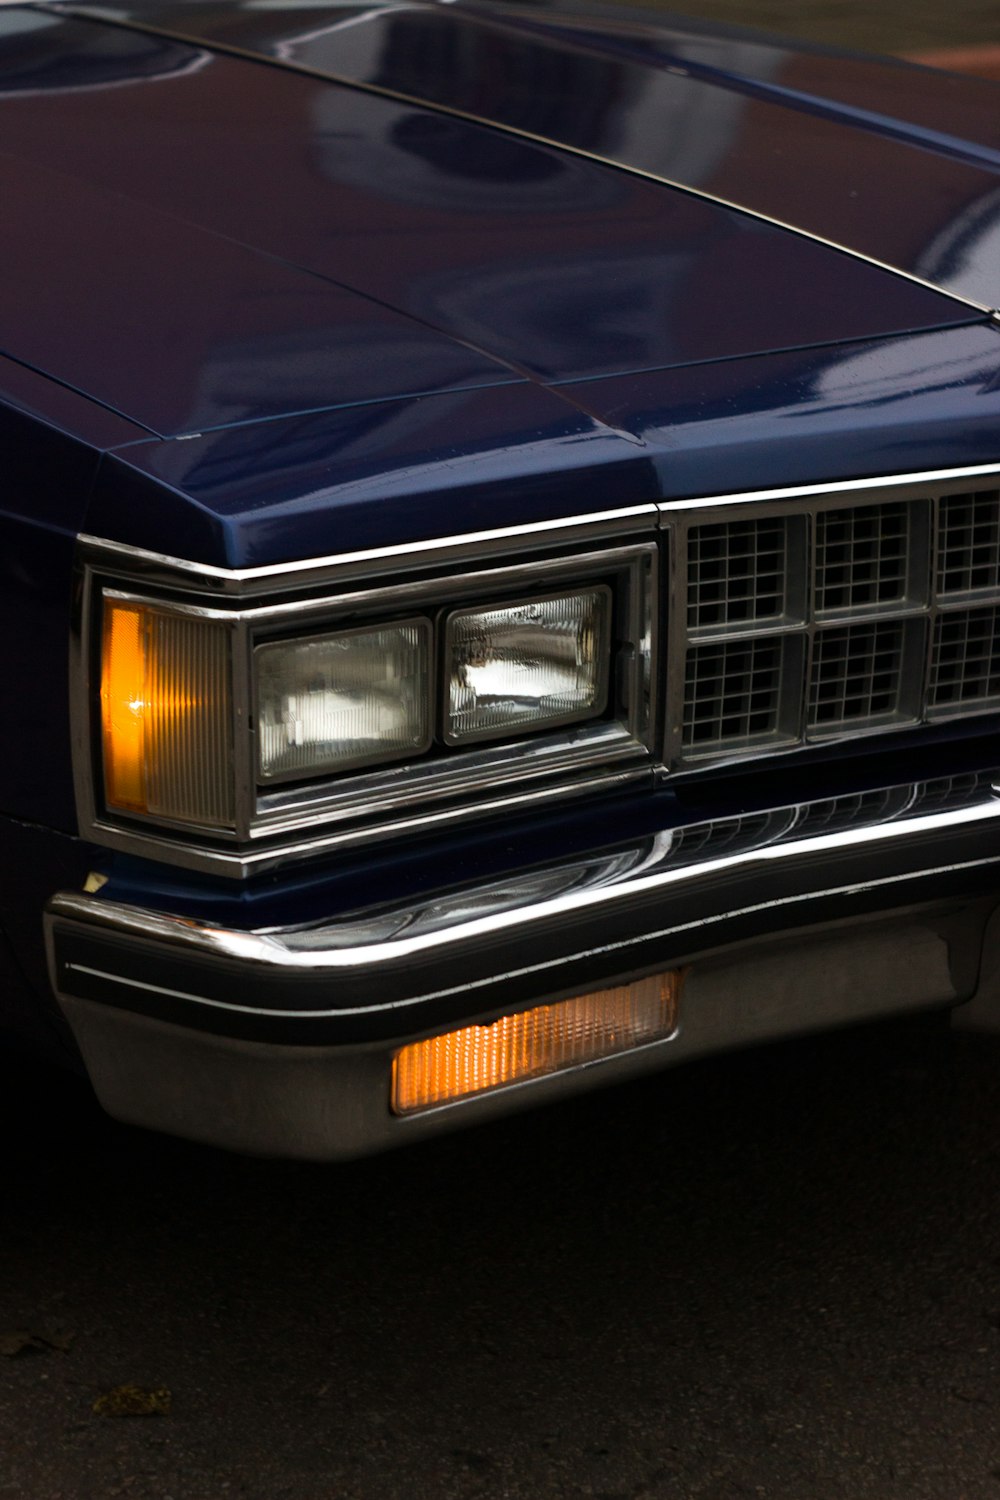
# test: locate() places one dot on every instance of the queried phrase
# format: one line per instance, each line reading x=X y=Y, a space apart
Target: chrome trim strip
x=526 y=970
x=380 y=91
x=179 y=572
x=845 y=487
x=546 y=919
x=247 y=862
x=139 y=561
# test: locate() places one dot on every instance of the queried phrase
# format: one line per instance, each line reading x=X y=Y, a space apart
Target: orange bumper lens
x=166 y=714
x=534 y=1042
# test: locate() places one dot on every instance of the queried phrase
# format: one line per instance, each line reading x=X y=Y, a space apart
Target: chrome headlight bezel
x=283 y=816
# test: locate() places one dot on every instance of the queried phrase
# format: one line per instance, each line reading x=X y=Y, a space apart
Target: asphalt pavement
x=773 y=1275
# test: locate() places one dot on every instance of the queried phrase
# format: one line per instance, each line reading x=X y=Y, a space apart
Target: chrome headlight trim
x=275 y=822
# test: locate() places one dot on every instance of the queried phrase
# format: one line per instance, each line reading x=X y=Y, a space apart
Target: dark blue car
x=500 y=553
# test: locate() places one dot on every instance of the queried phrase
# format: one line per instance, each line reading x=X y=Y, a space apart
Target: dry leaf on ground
x=133 y=1401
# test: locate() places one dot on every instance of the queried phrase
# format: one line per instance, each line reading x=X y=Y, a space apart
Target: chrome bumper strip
x=281 y=1042
x=400 y=970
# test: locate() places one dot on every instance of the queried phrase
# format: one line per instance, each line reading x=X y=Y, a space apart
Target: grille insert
x=734 y=693
x=738 y=573
x=821 y=618
x=857 y=675
x=862 y=557
x=969 y=543
x=965 y=666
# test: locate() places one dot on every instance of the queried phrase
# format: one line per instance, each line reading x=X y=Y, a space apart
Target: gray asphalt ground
x=775 y=1275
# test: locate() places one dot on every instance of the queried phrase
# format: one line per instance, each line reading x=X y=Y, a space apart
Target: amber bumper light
x=531 y=1043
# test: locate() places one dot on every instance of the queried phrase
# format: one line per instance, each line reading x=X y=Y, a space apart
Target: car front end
x=528 y=609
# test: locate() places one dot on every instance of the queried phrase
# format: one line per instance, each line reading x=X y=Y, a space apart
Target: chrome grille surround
x=846 y=611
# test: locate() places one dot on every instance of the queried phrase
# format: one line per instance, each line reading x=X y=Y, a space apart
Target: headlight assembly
x=215 y=728
x=339 y=701
x=527 y=666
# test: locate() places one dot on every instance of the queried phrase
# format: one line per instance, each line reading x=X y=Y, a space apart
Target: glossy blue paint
x=198 y=331
x=395 y=251
x=368 y=476
x=931 y=401
x=51 y=440
x=402 y=472
x=821 y=140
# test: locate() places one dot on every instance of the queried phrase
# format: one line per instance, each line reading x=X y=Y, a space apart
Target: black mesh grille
x=862 y=557
x=965 y=660
x=893 y=603
x=736 y=573
x=969 y=542
x=856 y=675
x=733 y=693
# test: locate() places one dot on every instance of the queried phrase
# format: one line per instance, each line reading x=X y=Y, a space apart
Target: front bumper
x=280 y=1042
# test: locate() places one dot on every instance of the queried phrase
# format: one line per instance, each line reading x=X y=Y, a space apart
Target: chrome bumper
x=281 y=1041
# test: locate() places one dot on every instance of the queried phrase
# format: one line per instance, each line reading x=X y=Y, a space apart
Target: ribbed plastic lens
x=167 y=714
x=533 y=665
x=534 y=1042
x=338 y=701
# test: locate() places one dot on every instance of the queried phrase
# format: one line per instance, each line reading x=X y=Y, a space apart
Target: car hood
x=893 y=161
x=280 y=212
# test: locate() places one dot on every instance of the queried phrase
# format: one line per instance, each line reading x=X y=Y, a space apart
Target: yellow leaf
x=133 y=1401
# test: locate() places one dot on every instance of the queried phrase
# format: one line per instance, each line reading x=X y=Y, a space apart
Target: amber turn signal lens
x=534 y=1042
x=166 y=714
x=123 y=705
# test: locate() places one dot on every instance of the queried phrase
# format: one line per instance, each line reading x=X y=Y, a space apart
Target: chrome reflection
x=677 y=848
x=451 y=911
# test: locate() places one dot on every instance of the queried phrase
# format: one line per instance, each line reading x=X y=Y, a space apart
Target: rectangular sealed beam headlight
x=536 y=664
x=532 y=1043
x=350 y=698
x=166 y=714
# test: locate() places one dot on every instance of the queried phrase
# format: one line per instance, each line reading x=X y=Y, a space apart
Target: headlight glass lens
x=166 y=711
x=532 y=665
x=351 y=698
